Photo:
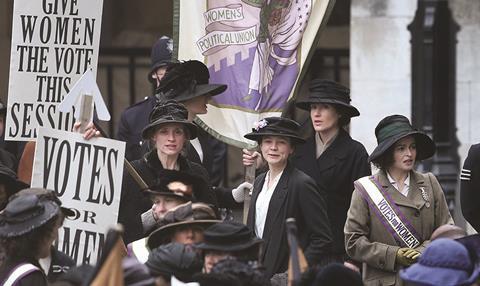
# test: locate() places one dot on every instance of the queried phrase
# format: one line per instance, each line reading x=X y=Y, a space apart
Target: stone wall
x=380 y=68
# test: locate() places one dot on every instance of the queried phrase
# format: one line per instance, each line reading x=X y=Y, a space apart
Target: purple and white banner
x=257 y=47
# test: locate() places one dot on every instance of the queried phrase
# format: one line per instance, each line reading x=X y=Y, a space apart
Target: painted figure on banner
x=280 y=33
x=252 y=45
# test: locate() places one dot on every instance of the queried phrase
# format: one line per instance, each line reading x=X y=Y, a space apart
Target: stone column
x=380 y=67
x=467 y=15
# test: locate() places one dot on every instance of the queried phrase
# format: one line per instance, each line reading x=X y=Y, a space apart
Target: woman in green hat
x=394 y=212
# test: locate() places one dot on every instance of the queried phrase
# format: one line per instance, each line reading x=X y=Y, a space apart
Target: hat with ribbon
x=188 y=80
x=276 y=126
x=330 y=92
x=174 y=259
x=161 y=55
x=393 y=128
x=25 y=213
x=169 y=111
x=47 y=194
x=444 y=262
x=199 y=214
x=228 y=236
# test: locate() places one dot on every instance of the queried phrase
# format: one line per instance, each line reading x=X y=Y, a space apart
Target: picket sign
x=53 y=43
x=85 y=174
x=80 y=97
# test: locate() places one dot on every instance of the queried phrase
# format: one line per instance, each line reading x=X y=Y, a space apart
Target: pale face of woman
x=162 y=204
x=170 y=138
x=276 y=150
x=197 y=105
x=212 y=257
x=159 y=74
x=324 y=117
x=404 y=154
x=189 y=234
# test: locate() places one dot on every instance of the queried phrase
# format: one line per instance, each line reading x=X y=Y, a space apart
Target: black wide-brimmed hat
x=10 y=180
x=276 y=126
x=169 y=111
x=179 y=184
x=23 y=214
x=393 y=128
x=186 y=214
x=47 y=194
x=188 y=80
x=161 y=55
x=330 y=92
x=174 y=259
x=228 y=236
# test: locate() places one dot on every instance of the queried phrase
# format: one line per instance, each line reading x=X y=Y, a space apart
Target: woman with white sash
x=394 y=212
x=28 y=226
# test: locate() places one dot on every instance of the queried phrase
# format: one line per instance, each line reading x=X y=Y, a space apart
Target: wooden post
x=86 y=112
x=249 y=177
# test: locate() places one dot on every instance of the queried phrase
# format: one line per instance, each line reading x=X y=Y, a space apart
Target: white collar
x=393 y=182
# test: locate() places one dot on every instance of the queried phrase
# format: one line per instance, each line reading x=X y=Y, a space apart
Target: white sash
x=20 y=272
x=140 y=249
x=390 y=216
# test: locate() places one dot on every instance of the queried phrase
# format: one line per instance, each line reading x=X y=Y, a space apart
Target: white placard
x=87 y=177
x=53 y=43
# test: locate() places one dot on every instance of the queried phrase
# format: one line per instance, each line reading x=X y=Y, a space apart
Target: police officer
x=470 y=187
x=135 y=117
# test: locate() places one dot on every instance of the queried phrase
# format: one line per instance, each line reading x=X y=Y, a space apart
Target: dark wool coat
x=132 y=122
x=60 y=264
x=342 y=163
x=214 y=155
x=134 y=202
x=34 y=278
x=296 y=195
x=136 y=117
x=470 y=187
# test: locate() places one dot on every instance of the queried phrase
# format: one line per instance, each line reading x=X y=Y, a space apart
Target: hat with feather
x=188 y=80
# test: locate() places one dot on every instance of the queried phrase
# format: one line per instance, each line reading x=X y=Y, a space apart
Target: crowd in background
x=353 y=228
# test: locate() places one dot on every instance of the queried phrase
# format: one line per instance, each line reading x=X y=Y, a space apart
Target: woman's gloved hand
x=239 y=192
x=407 y=256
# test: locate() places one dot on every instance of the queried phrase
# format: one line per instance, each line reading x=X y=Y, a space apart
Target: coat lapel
x=397 y=197
x=334 y=153
x=417 y=183
x=413 y=199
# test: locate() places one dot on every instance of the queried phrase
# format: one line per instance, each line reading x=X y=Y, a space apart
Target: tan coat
x=367 y=240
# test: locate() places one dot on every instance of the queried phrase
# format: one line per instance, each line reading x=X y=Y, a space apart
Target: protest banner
x=259 y=48
x=87 y=177
x=53 y=43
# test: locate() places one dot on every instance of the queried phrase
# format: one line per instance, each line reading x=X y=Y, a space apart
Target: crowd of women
x=353 y=227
